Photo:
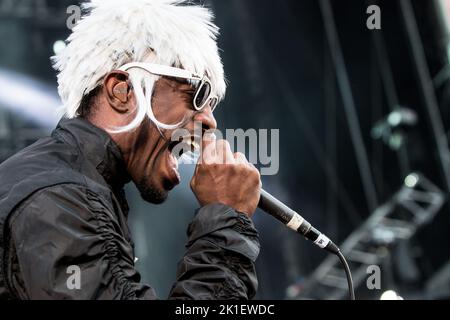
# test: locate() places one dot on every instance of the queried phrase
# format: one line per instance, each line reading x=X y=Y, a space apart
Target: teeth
x=195 y=146
x=190 y=147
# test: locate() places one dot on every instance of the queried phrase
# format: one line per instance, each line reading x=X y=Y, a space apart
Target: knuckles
x=213 y=169
x=222 y=143
x=255 y=177
x=240 y=156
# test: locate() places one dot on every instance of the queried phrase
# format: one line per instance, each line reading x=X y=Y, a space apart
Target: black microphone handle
x=294 y=221
x=282 y=212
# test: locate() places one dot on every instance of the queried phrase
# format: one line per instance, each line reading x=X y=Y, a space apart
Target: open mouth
x=176 y=149
x=185 y=150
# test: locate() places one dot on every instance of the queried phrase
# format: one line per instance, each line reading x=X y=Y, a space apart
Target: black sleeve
x=220 y=259
x=69 y=245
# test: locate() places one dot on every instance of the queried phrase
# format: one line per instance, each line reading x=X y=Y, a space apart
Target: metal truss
x=414 y=205
x=438 y=286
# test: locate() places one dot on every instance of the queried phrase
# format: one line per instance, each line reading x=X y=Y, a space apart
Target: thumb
x=208 y=150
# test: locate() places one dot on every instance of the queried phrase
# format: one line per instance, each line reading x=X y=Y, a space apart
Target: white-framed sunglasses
x=203 y=93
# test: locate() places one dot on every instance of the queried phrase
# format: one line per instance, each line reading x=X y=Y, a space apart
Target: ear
x=118 y=91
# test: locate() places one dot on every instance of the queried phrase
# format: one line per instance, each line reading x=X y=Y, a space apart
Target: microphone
x=294 y=221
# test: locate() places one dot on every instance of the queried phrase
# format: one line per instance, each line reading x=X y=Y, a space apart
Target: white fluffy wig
x=116 y=32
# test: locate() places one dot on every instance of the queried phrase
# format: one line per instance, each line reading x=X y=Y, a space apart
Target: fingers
x=240 y=158
x=216 y=151
x=224 y=154
x=208 y=151
x=255 y=174
x=219 y=152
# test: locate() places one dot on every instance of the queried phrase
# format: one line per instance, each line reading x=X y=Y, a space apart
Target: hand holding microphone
x=222 y=176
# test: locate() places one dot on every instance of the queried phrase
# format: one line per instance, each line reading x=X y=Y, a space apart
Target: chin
x=151 y=193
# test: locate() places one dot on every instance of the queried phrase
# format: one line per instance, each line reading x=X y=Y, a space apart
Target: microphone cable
x=296 y=222
x=348 y=274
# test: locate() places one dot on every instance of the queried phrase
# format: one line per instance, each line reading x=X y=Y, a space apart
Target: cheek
x=150 y=169
x=146 y=147
x=172 y=109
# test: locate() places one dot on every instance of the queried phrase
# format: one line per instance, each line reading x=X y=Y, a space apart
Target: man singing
x=133 y=73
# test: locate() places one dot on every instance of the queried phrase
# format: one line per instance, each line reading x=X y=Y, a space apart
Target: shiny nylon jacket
x=62 y=204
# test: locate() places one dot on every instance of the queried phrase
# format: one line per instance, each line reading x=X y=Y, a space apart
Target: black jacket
x=63 y=212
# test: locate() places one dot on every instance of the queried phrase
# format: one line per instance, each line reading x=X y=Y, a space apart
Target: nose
x=207 y=119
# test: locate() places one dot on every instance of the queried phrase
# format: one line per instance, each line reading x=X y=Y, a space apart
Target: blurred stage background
x=364 y=123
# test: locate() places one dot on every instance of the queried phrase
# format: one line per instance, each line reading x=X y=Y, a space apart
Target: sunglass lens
x=203 y=94
x=213 y=103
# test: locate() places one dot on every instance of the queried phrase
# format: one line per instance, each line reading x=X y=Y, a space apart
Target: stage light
x=390 y=295
x=394 y=118
x=396 y=141
x=59 y=46
x=411 y=180
x=30 y=98
x=394 y=127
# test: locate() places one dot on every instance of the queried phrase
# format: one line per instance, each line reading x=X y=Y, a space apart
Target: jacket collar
x=98 y=148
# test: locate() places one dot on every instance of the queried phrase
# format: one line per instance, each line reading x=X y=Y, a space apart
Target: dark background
x=282 y=76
